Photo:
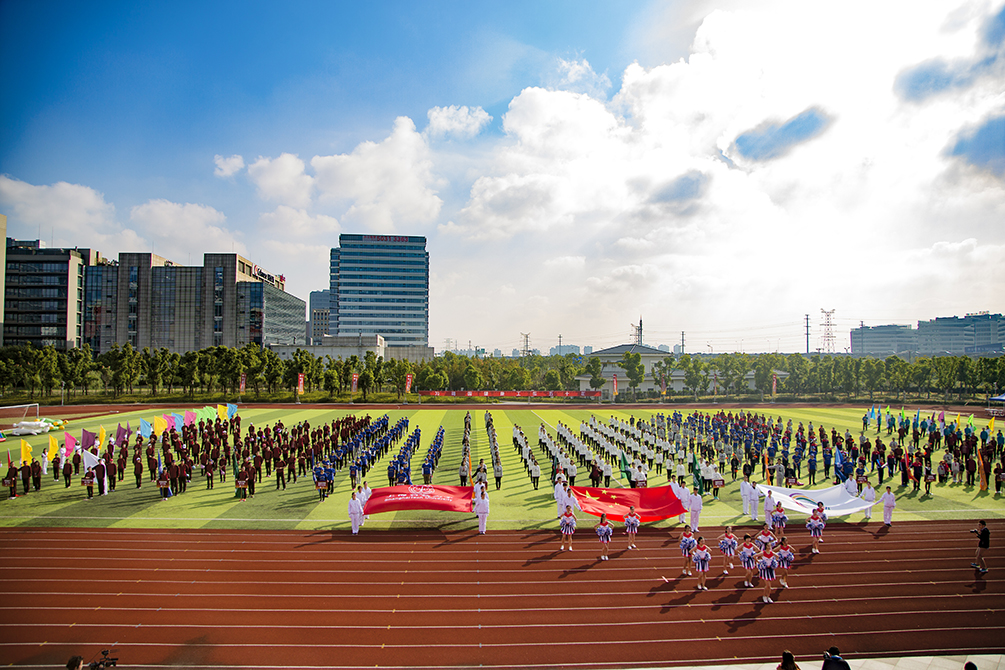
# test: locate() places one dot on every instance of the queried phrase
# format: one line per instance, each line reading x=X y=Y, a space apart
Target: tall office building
x=44 y=294
x=148 y=301
x=318 y=306
x=380 y=286
x=883 y=340
x=3 y=264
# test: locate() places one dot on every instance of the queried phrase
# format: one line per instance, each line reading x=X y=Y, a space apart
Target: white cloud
x=177 y=230
x=579 y=77
x=293 y=223
x=453 y=121
x=388 y=186
x=283 y=180
x=228 y=167
x=66 y=215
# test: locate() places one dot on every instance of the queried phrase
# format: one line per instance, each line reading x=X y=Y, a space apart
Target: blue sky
x=573 y=164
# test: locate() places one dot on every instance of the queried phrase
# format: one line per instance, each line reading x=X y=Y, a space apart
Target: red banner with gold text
x=419 y=496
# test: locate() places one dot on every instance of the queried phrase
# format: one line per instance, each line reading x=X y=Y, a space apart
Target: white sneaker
x=770 y=600
x=725 y=572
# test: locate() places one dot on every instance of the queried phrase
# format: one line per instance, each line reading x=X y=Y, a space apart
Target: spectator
x=833 y=660
x=788 y=661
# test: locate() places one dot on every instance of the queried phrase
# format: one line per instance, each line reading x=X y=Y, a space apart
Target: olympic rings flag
x=836 y=499
x=419 y=496
x=652 y=504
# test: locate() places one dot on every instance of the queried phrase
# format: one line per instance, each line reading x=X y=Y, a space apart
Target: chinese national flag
x=650 y=504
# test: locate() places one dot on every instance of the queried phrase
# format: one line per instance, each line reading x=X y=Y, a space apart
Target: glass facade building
x=44 y=294
x=379 y=285
x=148 y=301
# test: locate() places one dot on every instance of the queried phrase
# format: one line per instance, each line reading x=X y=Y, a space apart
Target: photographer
x=833 y=660
x=983 y=542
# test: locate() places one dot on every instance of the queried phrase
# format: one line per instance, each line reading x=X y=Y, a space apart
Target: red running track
x=507 y=599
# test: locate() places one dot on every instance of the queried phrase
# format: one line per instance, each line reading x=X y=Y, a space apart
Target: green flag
x=699 y=483
x=624 y=466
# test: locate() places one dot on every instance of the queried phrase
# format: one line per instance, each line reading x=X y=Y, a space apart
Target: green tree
x=595 y=369
x=473 y=378
x=661 y=371
x=872 y=373
x=398 y=372
x=365 y=382
x=631 y=363
x=519 y=379
x=552 y=380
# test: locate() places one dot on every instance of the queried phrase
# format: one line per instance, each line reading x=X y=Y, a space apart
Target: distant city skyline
x=721 y=168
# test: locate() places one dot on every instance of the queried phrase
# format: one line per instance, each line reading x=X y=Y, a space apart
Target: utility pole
x=807 y=334
x=682 y=342
x=560 y=344
x=828 y=324
x=525 y=352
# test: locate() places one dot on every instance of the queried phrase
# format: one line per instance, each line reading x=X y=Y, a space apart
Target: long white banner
x=836 y=499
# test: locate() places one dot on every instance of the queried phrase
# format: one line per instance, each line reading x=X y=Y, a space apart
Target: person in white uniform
x=694 y=506
x=364 y=494
x=745 y=494
x=769 y=507
x=868 y=495
x=482 y=510
x=355 y=513
x=560 y=498
x=755 y=500
x=889 y=502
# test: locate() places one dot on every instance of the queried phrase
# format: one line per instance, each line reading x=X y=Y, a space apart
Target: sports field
x=202 y=581
x=516 y=506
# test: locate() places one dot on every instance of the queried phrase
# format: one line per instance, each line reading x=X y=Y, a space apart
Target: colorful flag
x=102 y=436
x=652 y=504
x=145 y=428
x=981 y=476
x=190 y=417
x=699 y=483
x=169 y=421
x=970 y=421
x=10 y=463
x=69 y=444
x=231 y=410
x=991 y=426
x=615 y=383
x=160 y=425
x=179 y=421
x=86 y=439
x=25 y=451
x=3 y=438
x=408 y=382
x=53 y=447
x=120 y=435
x=221 y=411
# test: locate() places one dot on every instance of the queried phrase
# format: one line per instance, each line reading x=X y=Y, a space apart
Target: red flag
x=419 y=496
x=408 y=382
x=650 y=504
x=10 y=463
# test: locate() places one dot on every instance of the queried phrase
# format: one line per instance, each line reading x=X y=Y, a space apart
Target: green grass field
x=516 y=505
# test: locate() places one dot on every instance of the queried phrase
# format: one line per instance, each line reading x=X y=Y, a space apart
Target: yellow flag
x=53 y=447
x=958 y=424
x=25 y=451
x=160 y=425
x=102 y=436
x=221 y=411
x=991 y=426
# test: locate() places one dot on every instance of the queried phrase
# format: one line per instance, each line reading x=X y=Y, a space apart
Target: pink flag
x=170 y=420
x=189 y=417
x=71 y=444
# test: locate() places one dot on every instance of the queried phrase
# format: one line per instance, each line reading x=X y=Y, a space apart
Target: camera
x=973 y=530
x=104 y=661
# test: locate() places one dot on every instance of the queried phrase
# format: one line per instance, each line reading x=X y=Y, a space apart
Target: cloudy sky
x=719 y=168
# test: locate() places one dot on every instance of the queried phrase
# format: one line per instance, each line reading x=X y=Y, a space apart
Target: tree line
x=41 y=372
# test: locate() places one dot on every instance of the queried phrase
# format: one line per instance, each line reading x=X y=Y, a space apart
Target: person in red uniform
x=210 y=472
x=67 y=472
x=138 y=470
x=99 y=475
x=36 y=474
x=89 y=482
x=112 y=471
x=12 y=479
x=25 y=478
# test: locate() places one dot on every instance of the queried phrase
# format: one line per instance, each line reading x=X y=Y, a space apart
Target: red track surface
x=433 y=599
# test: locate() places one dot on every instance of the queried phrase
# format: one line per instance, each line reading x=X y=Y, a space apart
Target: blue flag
x=838 y=463
x=145 y=428
x=231 y=411
x=179 y=421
